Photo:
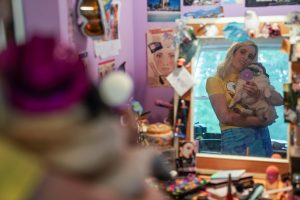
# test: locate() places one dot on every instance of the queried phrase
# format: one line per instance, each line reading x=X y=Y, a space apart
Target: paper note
x=106 y=49
x=181 y=80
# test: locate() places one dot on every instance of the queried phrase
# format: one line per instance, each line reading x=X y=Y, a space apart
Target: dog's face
x=258 y=71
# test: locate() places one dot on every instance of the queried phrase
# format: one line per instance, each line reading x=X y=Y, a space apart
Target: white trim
x=18 y=16
x=2 y=36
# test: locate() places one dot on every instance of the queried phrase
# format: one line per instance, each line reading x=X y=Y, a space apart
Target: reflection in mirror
x=206 y=124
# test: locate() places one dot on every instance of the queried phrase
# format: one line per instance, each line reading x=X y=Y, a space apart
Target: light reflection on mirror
x=206 y=124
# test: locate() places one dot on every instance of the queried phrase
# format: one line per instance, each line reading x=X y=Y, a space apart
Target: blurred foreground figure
x=75 y=146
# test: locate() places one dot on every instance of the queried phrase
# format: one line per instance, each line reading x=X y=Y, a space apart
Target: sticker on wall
x=200 y=2
x=161 y=56
x=163 y=10
x=257 y=3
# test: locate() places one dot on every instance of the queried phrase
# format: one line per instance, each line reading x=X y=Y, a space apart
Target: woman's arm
x=219 y=104
x=252 y=90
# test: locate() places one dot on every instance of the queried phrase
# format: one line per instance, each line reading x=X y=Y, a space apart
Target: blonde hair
x=223 y=68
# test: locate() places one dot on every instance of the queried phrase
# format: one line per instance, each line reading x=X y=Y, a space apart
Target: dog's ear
x=264 y=69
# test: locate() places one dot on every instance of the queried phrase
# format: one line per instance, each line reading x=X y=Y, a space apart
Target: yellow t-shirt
x=216 y=85
x=20 y=172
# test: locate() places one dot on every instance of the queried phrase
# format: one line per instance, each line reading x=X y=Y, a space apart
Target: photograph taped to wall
x=163 y=10
x=200 y=2
x=105 y=68
x=112 y=12
x=186 y=161
x=258 y=3
x=214 y=12
x=160 y=55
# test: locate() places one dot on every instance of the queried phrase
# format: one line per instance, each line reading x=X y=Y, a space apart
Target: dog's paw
x=236 y=110
x=231 y=105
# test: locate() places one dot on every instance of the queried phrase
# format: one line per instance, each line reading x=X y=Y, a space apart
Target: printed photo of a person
x=186 y=161
x=161 y=56
x=163 y=10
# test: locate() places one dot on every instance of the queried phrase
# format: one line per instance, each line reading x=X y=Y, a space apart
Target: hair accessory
x=42 y=75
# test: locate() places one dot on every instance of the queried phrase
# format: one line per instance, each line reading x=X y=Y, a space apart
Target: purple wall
x=51 y=18
x=147 y=95
x=40 y=17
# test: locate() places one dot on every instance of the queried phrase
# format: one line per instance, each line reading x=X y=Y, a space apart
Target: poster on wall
x=214 y=12
x=224 y=2
x=257 y=3
x=163 y=10
x=160 y=56
x=112 y=9
x=200 y=2
x=111 y=44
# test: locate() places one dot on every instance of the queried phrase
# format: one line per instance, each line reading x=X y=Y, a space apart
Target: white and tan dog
x=258 y=106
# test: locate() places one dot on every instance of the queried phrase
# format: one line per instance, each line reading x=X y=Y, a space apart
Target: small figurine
x=272 y=177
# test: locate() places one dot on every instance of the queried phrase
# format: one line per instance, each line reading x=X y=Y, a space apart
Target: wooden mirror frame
x=210 y=162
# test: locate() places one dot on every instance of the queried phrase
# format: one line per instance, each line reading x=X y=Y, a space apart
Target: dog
x=259 y=106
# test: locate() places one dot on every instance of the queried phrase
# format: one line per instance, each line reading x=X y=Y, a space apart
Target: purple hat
x=42 y=75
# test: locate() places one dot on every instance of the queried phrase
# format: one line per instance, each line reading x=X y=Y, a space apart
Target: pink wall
x=51 y=18
x=148 y=95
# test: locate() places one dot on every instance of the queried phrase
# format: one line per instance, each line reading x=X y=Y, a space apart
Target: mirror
x=213 y=52
x=91 y=18
x=204 y=124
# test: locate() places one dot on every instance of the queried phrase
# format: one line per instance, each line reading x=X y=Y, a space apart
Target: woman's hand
x=251 y=89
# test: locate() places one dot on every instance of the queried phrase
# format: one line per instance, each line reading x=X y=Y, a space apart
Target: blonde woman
x=240 y=135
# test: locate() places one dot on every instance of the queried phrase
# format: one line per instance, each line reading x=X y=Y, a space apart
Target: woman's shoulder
x=213 y=78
